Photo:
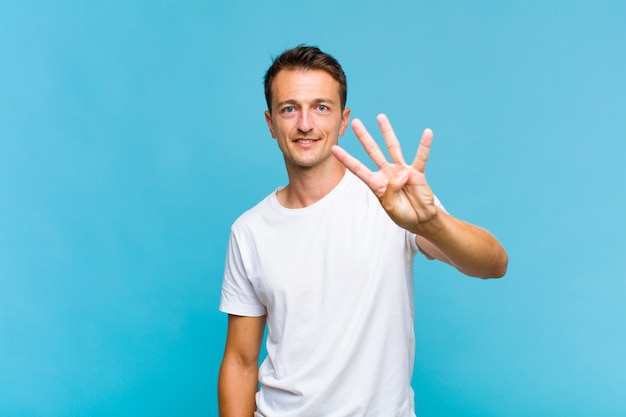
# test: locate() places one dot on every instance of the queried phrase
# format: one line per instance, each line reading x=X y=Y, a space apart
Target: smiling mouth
x=305 y=140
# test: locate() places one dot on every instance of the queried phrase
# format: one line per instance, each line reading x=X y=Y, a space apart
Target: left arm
x=470 y=249
x=405 y=195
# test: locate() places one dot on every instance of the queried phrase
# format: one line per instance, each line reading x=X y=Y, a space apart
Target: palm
x=401 y=188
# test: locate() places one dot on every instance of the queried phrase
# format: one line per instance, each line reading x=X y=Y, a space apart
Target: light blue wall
x=132 y=135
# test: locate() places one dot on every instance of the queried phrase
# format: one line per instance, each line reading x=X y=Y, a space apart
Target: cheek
x=279 y=128
x=285 y=127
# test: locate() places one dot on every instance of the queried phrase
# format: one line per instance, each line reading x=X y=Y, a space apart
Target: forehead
x=304 y=85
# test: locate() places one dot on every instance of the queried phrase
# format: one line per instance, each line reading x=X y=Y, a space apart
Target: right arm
x=239 y=373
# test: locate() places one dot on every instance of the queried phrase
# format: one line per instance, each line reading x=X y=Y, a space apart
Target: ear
x=345 y=119
x=268 y=120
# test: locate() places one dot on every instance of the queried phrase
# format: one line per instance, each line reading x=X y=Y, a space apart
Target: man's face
x=306 y=117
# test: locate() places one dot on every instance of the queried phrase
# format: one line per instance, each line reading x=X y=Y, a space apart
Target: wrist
x=433 y=227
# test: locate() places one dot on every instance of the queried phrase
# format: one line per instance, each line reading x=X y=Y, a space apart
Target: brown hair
x=305 y=57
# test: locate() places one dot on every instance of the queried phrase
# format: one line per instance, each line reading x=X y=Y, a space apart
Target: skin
x=306 y=119
x=239 y=373
x=405 y=195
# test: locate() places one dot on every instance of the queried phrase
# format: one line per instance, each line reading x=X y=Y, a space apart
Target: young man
x=327 y=261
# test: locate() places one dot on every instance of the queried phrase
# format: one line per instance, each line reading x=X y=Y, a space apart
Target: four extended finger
x=393 y=145
x=423 y=150
x=353 y=164
x=369 y=144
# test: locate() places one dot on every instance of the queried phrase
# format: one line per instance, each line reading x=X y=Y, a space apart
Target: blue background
x=132 y=135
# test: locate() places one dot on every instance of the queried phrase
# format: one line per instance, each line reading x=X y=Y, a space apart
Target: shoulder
x=254 y=214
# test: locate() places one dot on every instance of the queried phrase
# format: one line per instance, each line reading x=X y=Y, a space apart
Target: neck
x=309 y=185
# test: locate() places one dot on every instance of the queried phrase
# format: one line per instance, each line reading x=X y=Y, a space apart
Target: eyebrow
x=315 y=101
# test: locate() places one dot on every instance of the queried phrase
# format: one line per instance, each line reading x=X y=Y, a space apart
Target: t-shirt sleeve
x=238 y=294
x=439 y=204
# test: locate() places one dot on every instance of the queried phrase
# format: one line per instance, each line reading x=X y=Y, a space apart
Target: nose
x=305 y=124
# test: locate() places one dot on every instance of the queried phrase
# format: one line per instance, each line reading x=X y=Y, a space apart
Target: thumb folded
x=396 y=183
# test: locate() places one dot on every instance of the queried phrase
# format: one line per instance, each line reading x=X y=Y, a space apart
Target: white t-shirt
x=336 y=282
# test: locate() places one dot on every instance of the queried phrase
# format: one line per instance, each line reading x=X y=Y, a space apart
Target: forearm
x=237 y=387
x=472 y=250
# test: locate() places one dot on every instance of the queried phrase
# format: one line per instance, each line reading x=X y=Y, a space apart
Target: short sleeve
x=439 y=204
x=238 y=294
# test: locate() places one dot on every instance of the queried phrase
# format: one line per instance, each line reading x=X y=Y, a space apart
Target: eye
x=322 y=107
x=288 y=109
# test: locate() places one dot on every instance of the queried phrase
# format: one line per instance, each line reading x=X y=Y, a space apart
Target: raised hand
x=402 y=189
